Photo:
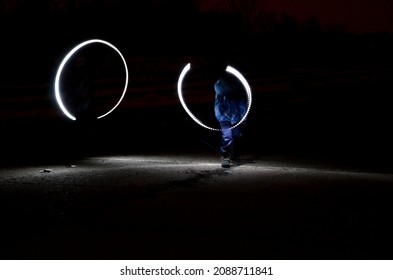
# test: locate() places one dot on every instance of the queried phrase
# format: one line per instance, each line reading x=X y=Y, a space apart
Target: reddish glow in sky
x=353 y=15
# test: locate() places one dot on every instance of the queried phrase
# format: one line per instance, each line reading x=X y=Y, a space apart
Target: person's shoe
x=225 y=162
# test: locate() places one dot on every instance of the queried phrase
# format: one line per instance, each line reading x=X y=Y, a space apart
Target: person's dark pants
x=227 y=139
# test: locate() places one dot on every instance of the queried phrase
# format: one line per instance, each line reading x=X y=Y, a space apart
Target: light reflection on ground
x=187 y=207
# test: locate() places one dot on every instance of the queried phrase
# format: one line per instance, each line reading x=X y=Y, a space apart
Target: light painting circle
x=64 y=62
x=230 y=70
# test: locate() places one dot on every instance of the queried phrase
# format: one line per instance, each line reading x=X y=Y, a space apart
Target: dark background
x=321 y=81
x=320 y=74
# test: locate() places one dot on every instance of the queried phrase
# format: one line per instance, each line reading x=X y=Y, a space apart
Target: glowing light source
x=229 y=69
x=62 y=65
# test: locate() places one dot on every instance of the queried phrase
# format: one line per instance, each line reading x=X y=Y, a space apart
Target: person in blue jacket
x=230 y=106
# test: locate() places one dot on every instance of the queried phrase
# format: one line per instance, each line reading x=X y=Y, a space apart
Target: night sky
x=319 y=69
x=354 y=16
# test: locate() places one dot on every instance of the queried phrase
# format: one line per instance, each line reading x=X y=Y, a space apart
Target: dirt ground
x=186 y=206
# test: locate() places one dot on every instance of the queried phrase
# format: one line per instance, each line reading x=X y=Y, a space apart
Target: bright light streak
x=248 y=90
x=229 y=69
x=62 y=65
x=180 y=93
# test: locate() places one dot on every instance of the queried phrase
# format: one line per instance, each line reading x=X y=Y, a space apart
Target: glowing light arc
x=62 y=65
x=229 y=69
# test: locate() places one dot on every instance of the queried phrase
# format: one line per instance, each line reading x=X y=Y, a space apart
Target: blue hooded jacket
x=230 y=104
